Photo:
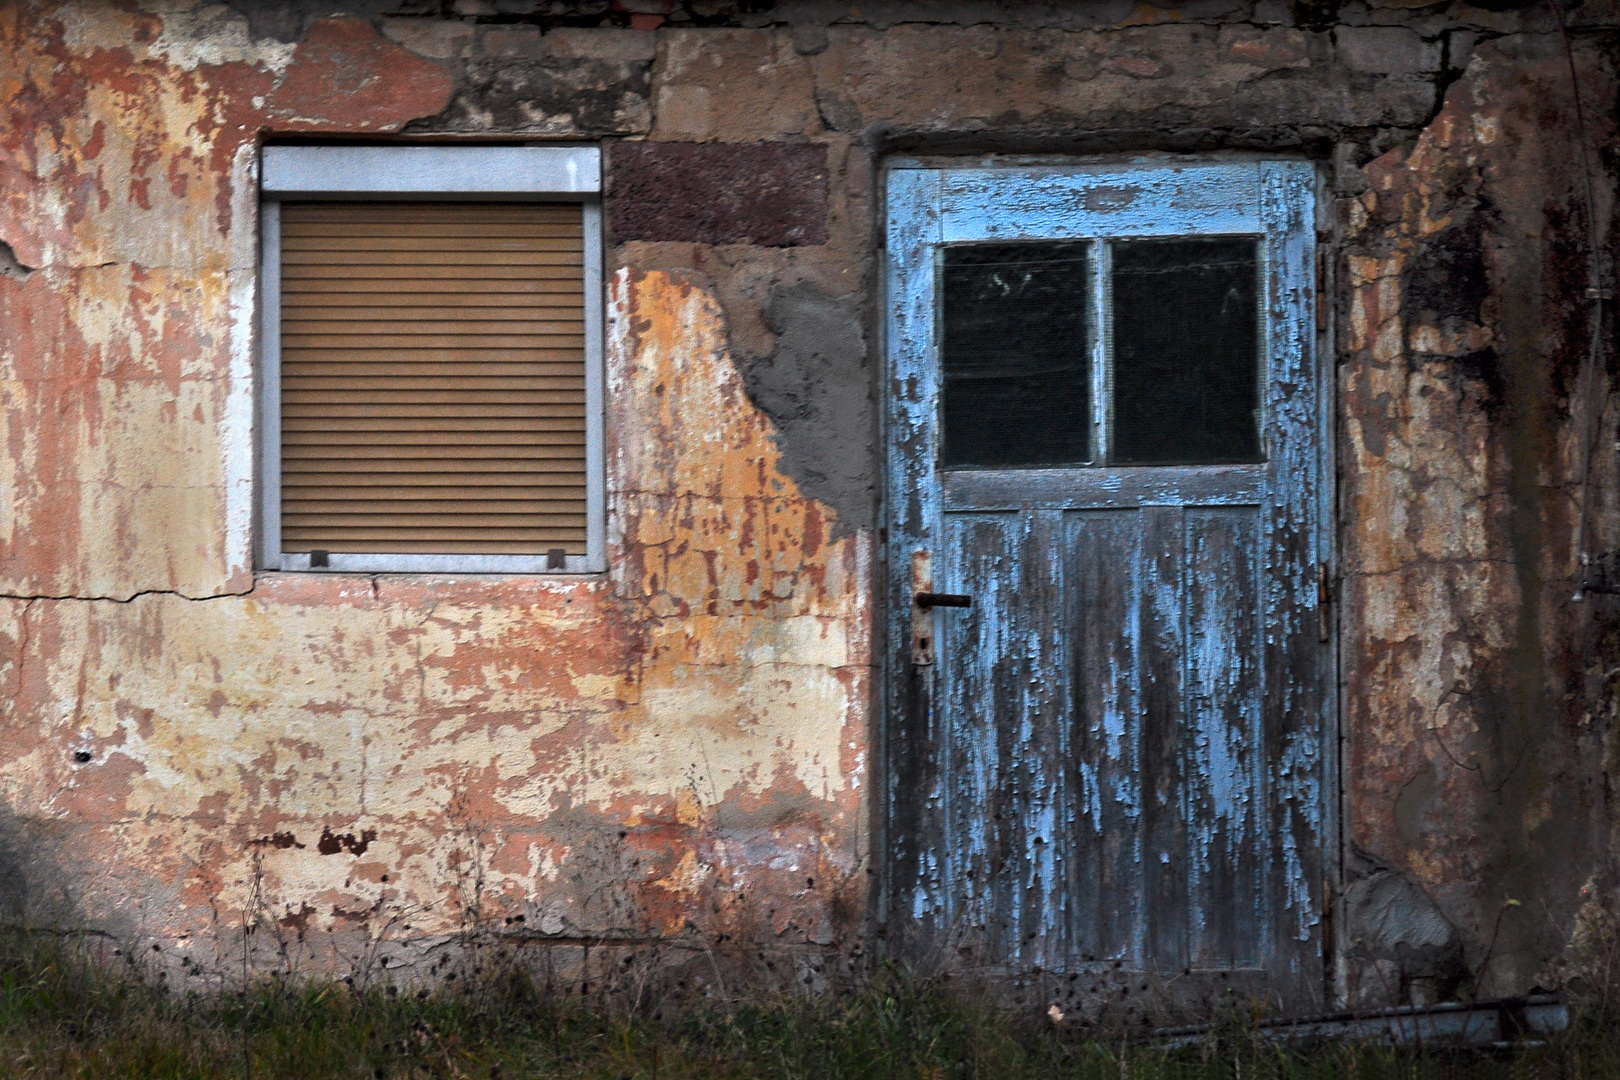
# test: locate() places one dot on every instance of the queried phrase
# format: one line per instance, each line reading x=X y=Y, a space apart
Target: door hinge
x=1321 y=291
x=1324 y=601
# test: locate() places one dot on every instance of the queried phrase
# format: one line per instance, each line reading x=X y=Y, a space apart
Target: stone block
x=1269 y=50
x=685 y=112
x=1462 y=48
x=433 y=38
x=557 y=97
x=733 y=86
x=513 y=42
x=771 y=194
x=1386 y=50
x=605 y=43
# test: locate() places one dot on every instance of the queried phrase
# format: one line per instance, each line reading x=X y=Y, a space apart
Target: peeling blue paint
x=1118 y=755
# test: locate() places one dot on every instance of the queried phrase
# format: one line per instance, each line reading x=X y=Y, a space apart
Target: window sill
x=386 y=563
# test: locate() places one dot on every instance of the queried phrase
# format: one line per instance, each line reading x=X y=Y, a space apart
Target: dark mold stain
x=281 y=840
x=1316 y=14
x=1448 y=280
x=1484 y=368
x=331 y=843
x=298 y=921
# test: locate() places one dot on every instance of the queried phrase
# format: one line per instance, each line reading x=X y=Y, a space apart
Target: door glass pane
x=1186 y=337
x=1016 y=330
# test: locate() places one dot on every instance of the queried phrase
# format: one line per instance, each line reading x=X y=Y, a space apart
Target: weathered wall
x=338 y=750
x=616 y=756
x=1476 y=703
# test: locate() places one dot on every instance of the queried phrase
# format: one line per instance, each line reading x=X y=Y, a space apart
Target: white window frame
x=425 y=173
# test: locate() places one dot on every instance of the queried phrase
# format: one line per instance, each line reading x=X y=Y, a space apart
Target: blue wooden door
x=1106 y=433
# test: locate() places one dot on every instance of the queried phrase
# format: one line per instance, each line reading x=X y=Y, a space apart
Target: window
x=432 y=370
x=1107 y=352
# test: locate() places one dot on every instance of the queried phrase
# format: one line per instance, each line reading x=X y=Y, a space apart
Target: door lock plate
x=922 y=615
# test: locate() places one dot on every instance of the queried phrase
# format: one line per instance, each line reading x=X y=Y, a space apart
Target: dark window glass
x=1016 y=340
x=1186 y=352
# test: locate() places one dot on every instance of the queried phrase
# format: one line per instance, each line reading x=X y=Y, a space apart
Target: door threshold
x=1518 y=1021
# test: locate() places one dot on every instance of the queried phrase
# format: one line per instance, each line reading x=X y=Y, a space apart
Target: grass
x=62 y=1015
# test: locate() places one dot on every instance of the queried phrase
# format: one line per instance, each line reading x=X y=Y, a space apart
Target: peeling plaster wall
x=686 y=742
x=1476 y=713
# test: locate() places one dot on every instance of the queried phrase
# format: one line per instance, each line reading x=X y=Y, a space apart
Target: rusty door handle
x=943 y=599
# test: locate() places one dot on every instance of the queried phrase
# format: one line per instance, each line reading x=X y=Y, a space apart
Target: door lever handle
x=943 y=599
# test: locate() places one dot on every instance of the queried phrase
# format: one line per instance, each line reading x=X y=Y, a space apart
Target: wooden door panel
x=1162 y=722
x=1223 y=745
x=981 y=684
x=1006 y=755
x=1102 y=553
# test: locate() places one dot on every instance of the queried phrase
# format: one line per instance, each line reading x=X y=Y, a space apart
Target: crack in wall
x=131 y=598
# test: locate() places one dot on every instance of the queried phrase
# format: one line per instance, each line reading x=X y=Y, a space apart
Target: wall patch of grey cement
x=1399 y=947
x=816 y=388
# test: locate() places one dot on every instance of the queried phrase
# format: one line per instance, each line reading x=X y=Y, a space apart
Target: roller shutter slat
x=542 y=432
x=465 y=547
x=369 y=278
x=479 y=231
x=554 y=360
x=433 y=380
x=383 y=368
x=509 y=413
x=431 y=472
x=399 y=288
x=400 y=214
x=412 y=400
x=385 y=329
x=416 y=300
x=408 y=527
x=369 y=387
x=421 y=308
x=412 y=238
x=465 y=261
x=516 y=483
x=518 y=513
x=431 y=457
x=425 y=311
x=441 y=341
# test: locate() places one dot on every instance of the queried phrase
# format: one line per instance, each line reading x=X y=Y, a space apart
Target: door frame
x=896 y=571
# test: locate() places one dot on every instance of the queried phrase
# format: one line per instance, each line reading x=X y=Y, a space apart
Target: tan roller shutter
x=432 y=378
